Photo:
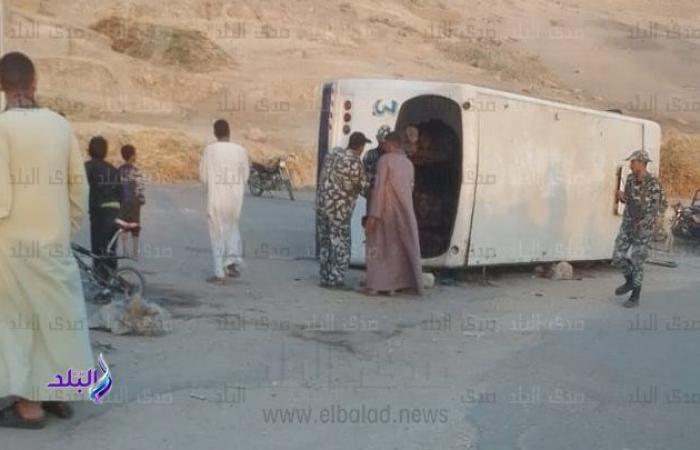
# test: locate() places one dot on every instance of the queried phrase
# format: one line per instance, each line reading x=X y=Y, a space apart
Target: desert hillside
x=157 y=73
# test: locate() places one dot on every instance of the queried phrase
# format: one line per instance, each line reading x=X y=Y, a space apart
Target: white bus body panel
x=538 y=177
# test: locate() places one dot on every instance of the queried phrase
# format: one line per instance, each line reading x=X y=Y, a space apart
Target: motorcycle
x=275 y=177
x=683 y=224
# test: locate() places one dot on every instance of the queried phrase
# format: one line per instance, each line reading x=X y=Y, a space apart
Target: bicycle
x=124 y=280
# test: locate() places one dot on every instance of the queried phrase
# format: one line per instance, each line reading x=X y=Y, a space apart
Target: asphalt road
x=271 y=361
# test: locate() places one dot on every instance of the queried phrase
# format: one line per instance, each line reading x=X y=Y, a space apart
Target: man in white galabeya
x=224 y=169
x=43 y=196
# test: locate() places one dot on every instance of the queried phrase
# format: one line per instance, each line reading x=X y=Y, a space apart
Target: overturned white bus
x=501 y=178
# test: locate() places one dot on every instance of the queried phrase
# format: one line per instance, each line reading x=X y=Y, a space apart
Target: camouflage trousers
x=334 y=249
x=630 y=254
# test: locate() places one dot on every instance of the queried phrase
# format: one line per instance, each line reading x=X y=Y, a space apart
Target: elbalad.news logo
x=99 y=385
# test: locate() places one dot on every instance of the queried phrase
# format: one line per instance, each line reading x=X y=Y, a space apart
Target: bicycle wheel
x=129 y=281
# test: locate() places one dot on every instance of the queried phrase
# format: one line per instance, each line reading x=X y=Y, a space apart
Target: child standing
x=132 y=199
x=105 y=204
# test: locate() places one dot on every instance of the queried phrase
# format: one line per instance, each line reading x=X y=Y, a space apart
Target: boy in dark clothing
x=105 y=202
x=133 y=198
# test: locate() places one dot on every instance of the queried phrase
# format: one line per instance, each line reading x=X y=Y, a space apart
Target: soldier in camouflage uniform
x=644 y=200
x=342 y=179
x=371 y=158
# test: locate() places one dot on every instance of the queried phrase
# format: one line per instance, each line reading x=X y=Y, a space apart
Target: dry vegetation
x=176 y=47
x=680 y=164
x=164 y=155
x=156 y=74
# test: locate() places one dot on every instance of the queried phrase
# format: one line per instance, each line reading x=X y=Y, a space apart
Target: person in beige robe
x=393 y=247
x=43 y=195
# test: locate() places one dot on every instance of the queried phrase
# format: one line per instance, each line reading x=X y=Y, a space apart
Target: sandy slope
x=130 y=66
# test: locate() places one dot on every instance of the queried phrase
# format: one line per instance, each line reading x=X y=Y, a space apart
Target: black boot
x=625 y=288
x=633 y=301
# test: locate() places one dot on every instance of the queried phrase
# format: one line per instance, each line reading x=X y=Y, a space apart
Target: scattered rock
x=540 y=272
x=138 y=318
x=561 y=271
